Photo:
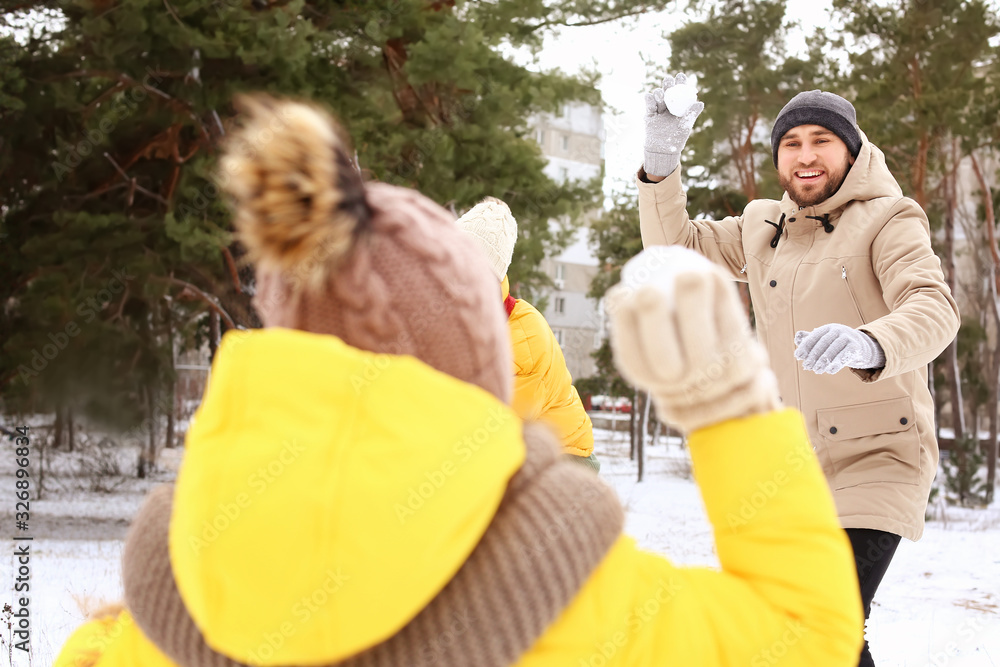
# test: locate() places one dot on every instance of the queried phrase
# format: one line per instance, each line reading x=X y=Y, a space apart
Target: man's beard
x=803 y=199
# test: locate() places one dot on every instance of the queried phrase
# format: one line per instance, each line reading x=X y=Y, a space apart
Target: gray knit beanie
x=818 y=107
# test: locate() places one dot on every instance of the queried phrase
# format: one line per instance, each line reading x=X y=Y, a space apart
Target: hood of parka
x=328 y=494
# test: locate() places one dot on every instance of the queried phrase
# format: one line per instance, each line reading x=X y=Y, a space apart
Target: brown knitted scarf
x=555 y=524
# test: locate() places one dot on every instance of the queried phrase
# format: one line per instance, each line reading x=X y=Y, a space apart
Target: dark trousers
x=873 y=549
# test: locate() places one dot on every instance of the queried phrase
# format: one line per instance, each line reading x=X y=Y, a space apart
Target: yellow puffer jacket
x=543 y=386
x=112 y=641
x=328 y=494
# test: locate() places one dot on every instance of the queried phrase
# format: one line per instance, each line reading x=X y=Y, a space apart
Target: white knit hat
x=492 y=225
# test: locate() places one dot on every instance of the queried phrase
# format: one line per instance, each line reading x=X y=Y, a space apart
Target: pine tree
x=117 y=246
x=738 y=53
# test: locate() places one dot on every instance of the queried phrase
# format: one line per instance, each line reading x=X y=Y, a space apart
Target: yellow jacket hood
x=328 y=494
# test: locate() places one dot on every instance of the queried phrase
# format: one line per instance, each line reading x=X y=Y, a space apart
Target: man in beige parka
x=848 y=296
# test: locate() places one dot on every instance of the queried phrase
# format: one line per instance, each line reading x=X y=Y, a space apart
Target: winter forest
x=120 y=272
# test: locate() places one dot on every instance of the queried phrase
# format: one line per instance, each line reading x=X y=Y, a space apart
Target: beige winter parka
x=874 y=270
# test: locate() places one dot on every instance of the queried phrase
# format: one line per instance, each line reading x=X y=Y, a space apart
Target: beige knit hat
x=494 y=228
x=381 y=267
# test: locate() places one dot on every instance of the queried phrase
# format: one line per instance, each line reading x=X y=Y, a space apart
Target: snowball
x=680 y=98
x=660 y=265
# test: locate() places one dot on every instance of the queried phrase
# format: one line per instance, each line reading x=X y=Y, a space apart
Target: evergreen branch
x=107 y=93
x=173 y=13
x=608 y=19
x=202 y=295
x=133 y=184
x=990 y=221
x=121 y=306
x=184 y=107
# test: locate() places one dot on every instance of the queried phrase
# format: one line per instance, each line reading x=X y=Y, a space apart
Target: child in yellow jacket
x=543 y=386
x=357 y=491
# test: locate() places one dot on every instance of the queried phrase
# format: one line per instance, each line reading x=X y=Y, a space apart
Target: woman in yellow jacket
x=356 y=490
x=543 y=386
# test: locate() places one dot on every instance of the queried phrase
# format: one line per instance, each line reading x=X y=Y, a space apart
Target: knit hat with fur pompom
x=492 y=225
x=383 y=268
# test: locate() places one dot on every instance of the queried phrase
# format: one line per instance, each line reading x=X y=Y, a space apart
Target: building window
x=560 y=305
x=565 y=143
x=541 y=138
x=559 y=336
x=563 y=174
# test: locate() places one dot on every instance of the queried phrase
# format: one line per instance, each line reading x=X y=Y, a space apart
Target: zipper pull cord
x=780 y=227
x=825 y=219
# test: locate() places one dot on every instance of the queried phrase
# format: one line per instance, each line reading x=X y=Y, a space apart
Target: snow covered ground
x=938 y=605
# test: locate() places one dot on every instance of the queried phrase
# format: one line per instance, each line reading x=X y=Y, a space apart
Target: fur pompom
x=299 y=200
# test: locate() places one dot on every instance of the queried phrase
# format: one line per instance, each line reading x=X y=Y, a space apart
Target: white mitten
x=678 y=331
x=670 y=115
x=829 y=348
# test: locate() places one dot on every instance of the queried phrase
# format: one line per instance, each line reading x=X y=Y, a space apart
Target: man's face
x=812 y=164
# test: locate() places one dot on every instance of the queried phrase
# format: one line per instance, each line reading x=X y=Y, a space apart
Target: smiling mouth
x=809 y=175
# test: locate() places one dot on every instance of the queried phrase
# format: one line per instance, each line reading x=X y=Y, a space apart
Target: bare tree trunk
x=951 y=352
x=994 y=417
x=153 y=413
x=140 y=464
x=213 y=333
x=58 y=427
x=42 y=448
x=172 y=388
x=934 y=401
x=642 y=440
x=952 y=369
x=632 y=425
x=70 y=430
x=993 y=277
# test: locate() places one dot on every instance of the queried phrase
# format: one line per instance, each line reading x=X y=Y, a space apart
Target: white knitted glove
x=678 y=331
x=829 y=348
x=670 y=115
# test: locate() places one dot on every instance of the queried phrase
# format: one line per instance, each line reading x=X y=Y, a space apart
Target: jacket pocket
x=871 y=442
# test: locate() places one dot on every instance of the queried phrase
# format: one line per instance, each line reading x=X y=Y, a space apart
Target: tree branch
x=202 y=295
x=231 y=265
x=550 y=24
x=133 y=183
x=173 y=13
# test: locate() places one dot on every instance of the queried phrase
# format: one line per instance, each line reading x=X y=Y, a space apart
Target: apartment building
x=573 y=142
